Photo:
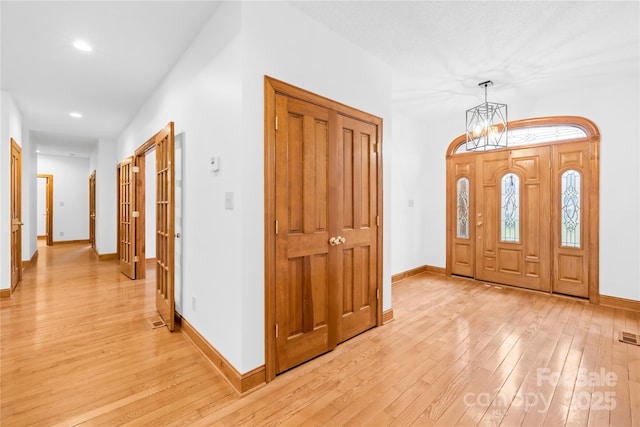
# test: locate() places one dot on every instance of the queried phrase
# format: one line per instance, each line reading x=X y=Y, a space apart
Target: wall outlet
x=61 y=233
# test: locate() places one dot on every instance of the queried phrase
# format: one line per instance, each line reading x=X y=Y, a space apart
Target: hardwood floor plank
x=77 y=348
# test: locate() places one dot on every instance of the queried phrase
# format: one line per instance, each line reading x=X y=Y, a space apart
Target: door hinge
x=276 y=330
x=276 y=122
x=135 y=214
x=135 y=169
x=378 y=294
x=378 y=220
x=276 y=227
x=136 y=259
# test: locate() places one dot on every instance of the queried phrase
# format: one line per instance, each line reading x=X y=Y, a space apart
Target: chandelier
x=486 y=124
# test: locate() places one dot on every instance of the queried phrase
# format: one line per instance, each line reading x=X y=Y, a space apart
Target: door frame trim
x=49 y=207
x=593 y=137
x=14 y=146
x=271 y=87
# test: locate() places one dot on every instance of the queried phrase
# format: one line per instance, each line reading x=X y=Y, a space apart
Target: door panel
x=303 y=289
x=355 y=216
x=16 y=214
x=524 y=260
x=47 y=212
x=126 y=219
x=92 y=209
x=461 y=225
x=571 y=272
x=165 y=225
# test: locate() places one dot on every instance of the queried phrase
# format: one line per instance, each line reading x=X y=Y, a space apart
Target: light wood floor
x=78 y=349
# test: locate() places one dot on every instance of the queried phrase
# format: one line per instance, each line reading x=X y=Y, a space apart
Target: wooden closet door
x=523 y=260
x=354 y=217
x=304 y=292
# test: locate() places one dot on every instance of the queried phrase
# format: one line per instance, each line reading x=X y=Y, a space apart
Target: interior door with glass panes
x=513 y=217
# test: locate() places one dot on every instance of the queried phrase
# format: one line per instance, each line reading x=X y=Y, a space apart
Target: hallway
x=78 y=348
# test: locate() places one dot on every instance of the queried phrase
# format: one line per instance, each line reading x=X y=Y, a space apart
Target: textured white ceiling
x=439 y=52
x=135 y=44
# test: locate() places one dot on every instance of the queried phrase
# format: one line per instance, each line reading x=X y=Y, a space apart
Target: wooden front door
x=16 y=214
x=554 y=162
x=513 y=217
x=355 y=217
x=165 y=225
x=92 y=209
x=126 y=218
x=327 y=251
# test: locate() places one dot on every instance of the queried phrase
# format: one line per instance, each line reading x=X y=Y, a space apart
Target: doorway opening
x=45 y=208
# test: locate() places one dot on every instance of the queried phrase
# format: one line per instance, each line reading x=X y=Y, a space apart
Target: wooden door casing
x=16 y=214
x=322 y=271
x=92 y=209
x=48 y=207
x=126 y=218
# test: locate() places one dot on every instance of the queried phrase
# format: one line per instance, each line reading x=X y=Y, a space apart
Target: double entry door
x=326 y=236
x=521 y=217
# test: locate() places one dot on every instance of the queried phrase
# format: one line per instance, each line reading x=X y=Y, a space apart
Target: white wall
x=612 y=104
x=29 y=197
x=291 y=47
x=10 y=127
x=215 y=96
x=41 y=220
x=202 y=95
x=105 y=163
x=70 y=195
x=418 y=177
x=150 y=205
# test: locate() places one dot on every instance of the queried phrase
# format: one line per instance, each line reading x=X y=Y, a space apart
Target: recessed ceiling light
x=82 y=45
x=76 y=115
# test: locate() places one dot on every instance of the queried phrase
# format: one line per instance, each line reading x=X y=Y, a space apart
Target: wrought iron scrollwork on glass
x=510 y=207
x=463 y=208
x=570 y=210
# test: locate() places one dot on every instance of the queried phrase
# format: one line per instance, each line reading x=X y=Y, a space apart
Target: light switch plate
x=228 y=200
